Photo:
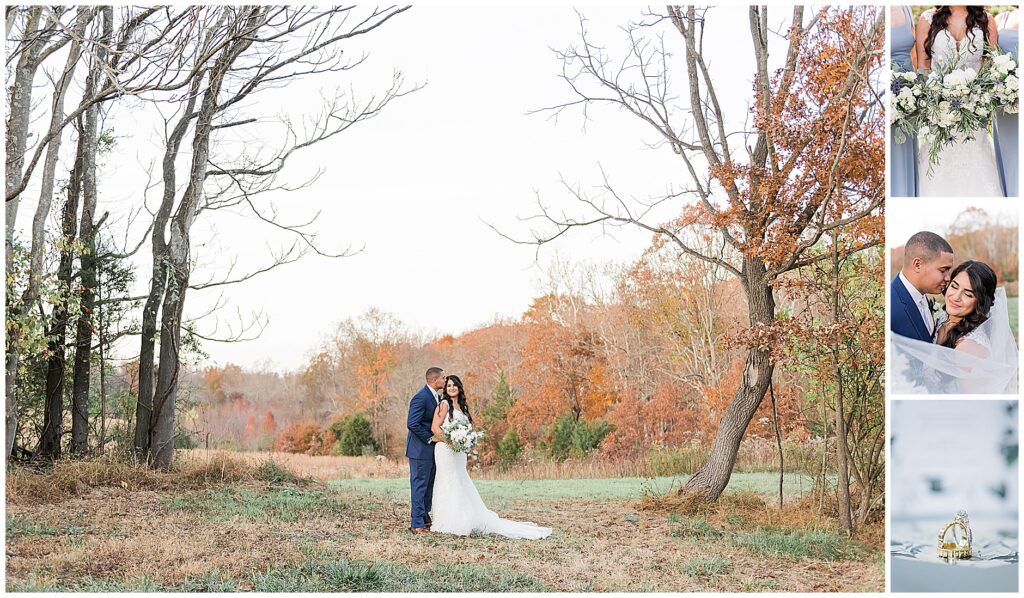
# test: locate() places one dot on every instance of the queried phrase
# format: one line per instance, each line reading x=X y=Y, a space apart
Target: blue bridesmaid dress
x=903 y=163
x=1005 y=129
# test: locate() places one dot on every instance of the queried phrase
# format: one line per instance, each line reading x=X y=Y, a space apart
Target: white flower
x=1003 y=63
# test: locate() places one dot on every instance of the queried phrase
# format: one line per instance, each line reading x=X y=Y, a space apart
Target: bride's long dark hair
x=463 y=404
x=983 y=284
x=976 y=17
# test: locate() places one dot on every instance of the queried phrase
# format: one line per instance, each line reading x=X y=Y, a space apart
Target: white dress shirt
x=922 y=304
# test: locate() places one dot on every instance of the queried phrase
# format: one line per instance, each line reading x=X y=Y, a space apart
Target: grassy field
x=795 y=485
x=224 y=525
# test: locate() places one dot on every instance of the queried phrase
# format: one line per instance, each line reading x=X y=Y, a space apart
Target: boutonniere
x=932 y=306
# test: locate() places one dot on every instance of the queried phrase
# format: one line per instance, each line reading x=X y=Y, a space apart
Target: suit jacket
x=421 y=416
x=904 y=318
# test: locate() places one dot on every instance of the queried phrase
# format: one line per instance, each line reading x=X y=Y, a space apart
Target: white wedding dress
x=968 y=168
x=457 y=507
x=918 y=367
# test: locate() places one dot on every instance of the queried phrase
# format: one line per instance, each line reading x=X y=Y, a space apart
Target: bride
x=974 y=350
x=457 y=507
x=968 y=168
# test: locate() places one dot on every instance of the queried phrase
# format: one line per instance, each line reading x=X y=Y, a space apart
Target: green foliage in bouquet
x=953 y=102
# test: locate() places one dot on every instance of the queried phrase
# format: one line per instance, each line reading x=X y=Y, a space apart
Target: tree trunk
x=50 y=162
x=15 y=142
x=158 y=284
x=19 y=107
x=842 y=450
x=53 y=414
x=103 y=365
x=83 y=338
x=842 y=456
x=161 y=440
x=778 y=442
x=161 y=427
x=710 y=480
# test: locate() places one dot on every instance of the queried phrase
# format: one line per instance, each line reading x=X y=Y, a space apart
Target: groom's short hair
x=925 y=245
x=433 y=373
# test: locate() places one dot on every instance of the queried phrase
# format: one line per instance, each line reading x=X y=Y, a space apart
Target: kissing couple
x=964 y=346
x=444 y=498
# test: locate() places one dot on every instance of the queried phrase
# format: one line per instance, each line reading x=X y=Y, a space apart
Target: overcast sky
x=906 y=216
x=415 y=186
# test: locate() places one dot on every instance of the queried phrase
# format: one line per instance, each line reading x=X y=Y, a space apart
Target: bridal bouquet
x=953 y=102
x=1001 y=77
x=906 y=107
x=460 y=436
x=955 y=105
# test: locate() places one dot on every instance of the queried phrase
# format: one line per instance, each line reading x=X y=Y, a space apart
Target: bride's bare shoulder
x=993 y=26
x=925 y=20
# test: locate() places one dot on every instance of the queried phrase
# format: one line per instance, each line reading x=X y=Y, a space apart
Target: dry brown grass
x=67 y=478
x=570 y=469
x=319 y=467
x=758 y=511
x=597 y=545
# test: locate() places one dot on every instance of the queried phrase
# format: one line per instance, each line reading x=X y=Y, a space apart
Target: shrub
x=571 y=437
x=300 y=437
x=509 y=449
x=275 y=473
x=355 y=436
x=184 y=440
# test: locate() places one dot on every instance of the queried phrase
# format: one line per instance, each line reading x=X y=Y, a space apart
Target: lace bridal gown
x=457 y=506
x=968 y=168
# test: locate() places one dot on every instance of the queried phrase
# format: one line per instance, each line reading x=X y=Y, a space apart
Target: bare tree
x=88 y=258
x=141 y=55
x=812 y=163
x=39 y=28
x=53 y=418
x=262 y=47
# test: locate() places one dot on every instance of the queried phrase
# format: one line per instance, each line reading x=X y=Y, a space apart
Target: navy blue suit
x=420 y=451
x=904 y=317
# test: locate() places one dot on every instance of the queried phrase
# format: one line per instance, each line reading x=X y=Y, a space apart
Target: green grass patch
x=592 y=489
x=820 y=545
x=706 y=567
x=696 y=527
x=337 y=575
x=20 y=527
x=282 y=504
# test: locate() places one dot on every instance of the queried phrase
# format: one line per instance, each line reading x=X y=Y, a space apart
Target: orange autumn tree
x=368 y=346
x=563 y=371
x=810 y=162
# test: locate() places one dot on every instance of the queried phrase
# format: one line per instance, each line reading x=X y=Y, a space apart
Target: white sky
x=906 y=216
x=415 y=185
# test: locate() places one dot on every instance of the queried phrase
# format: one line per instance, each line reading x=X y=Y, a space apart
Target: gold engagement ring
x=960 y=546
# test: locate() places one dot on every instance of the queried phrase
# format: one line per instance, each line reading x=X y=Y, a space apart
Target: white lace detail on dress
x=975 y=335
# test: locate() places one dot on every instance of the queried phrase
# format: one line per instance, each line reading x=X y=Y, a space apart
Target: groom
x=927 y=262
x=419 y=448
